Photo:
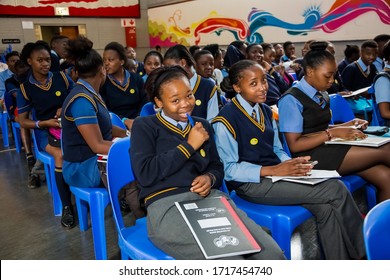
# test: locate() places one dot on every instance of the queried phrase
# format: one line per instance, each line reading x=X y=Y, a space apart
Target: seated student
x=249 y=147
x=44 y=92
x=279 y=52
x=152 y=60
x=204 y=66
x=269 y=57
x=130 y=53
x=175 y=164
x=351 y=53
x=382 y=86
x=381 y=40
x=277 y=85
x=123 y=90
x=337 y=85
x=218 y=62
x=85 y=120
x=12 y=86
x=206 y=104
x=360 y=74
x=235 y=52
x=304 y=117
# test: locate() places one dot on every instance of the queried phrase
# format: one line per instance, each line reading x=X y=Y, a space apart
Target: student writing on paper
x=304 y=117
x=248 y=144
x=175 y=162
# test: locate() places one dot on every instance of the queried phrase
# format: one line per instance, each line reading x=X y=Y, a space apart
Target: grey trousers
x=338 y=219
x=169 y=232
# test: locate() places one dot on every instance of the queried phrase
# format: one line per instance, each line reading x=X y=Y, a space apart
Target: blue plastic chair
x=341 y=111
x=49 y=164
x=96 y=200
x=281 y=220
x=376 y=231
x=133 y=241
x=116 y=120
x=4 y=127
x=147 y=110
x=377 y=119
x=14 y=125
x=17 y=137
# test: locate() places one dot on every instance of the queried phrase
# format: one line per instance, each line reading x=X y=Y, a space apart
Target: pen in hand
x=190 y=120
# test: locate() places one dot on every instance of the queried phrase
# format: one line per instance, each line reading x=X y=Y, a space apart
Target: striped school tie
x=179 y=126
x=254 y=115
x=320 y=97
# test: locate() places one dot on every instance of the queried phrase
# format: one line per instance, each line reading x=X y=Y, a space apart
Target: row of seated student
x=39 y=55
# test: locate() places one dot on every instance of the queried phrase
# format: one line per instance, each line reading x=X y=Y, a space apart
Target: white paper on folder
x=314 y=174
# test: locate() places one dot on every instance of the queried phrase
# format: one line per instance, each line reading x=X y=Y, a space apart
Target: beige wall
x=100 y=30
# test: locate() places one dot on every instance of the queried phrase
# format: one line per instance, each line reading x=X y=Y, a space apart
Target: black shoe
x=67 y=219
x=33 y=181
x=124 y=206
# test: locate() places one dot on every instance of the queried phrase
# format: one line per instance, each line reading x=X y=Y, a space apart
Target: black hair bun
x=79 y=47
x=318 y=46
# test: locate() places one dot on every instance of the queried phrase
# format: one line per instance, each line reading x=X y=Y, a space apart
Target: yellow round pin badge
x=58 y=93
x=254 y=141
x=132 y=91
x=202 y=153
x=198 y=102
x=141 y=73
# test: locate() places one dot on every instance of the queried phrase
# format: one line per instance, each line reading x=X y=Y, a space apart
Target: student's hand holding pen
x=197 y=136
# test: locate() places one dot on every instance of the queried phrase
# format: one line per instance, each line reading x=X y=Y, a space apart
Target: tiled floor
x=29 y=229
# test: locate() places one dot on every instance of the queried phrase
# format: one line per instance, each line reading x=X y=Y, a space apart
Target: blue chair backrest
x=119 y=173
x=377 y=119
x=376 y=231
x=116 y=120
x=341 y=111
x=147 y=110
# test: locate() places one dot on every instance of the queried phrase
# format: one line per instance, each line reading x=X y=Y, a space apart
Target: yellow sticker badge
x=132 y=91
x=254 y=141
x=202 y=153
x=198 y=102
x=58 y=93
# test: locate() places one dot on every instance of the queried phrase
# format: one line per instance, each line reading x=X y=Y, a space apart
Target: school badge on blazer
x=198 y=102
x=132 y=91
x=58 y=93
x=254 y=141
x=202 y=153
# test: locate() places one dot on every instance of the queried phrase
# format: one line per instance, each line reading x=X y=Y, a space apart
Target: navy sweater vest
x=75 y=148
x=203 y=91
x=125 y=101
x=255 y=139
x=46 y=99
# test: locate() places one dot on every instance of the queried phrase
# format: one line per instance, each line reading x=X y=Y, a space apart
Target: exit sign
x=127 y=22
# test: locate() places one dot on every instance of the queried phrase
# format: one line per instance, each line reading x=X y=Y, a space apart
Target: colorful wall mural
x=203 y=22
x=77 y=8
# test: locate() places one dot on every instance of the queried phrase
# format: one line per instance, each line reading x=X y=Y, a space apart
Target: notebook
x=315 y=176
x=370 y=141
x=217 y=228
